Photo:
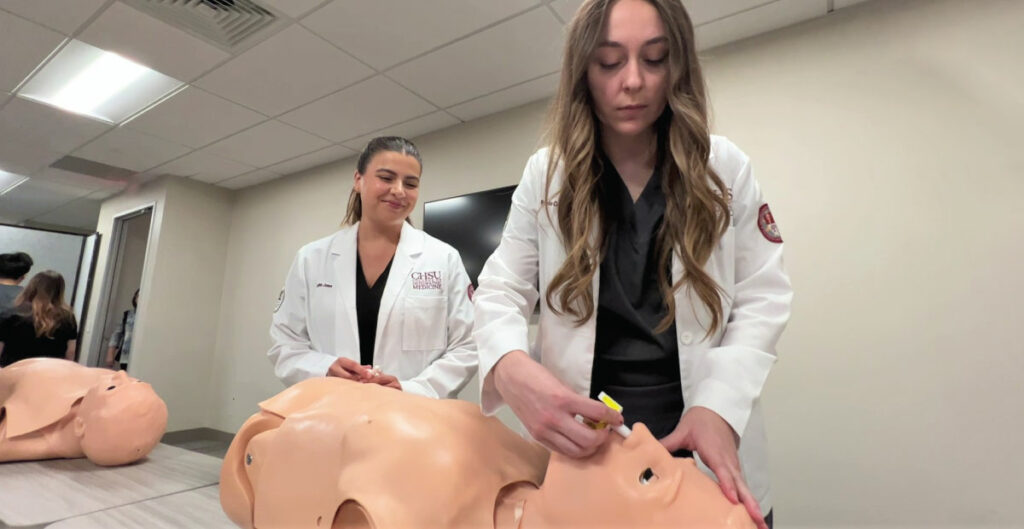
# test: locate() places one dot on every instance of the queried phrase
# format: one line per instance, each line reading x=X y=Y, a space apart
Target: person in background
x=40 y=323
x=379 y=301
x=13 y=269
x=120 y=347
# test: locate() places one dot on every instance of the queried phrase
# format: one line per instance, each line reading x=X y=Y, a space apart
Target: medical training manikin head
x=120 y=420
x=632 y=482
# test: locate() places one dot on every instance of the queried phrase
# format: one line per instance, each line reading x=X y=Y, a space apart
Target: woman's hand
x=548 y=409
x=349 y=370
x=705 y=432
x=384 y=380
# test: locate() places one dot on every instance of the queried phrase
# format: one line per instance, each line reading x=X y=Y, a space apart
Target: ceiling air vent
x=226 y=23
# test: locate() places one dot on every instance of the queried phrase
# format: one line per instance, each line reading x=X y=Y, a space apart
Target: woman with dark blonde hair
x=379 y=301
x=656 y=261
x=40 y=323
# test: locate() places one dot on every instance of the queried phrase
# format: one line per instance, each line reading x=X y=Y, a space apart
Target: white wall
x=886 y=137
x=174 y=342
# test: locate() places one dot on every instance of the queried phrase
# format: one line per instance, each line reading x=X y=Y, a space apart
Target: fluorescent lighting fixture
x=9 y=181
x=87 y=80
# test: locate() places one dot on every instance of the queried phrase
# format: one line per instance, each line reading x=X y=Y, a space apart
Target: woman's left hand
x=384 y=380
x=705 y=432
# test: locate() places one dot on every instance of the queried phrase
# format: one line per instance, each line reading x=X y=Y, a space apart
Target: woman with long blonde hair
x=655 y=260
x=40 y=323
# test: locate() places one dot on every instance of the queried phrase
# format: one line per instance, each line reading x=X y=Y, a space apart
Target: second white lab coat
x=424 y=324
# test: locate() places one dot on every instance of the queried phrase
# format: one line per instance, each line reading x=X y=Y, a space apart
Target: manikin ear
x=79 y=427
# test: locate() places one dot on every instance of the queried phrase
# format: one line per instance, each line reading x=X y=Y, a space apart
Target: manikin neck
x=11 y=282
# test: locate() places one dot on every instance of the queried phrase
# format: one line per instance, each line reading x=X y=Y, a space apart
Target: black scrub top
x=367 y=309
x=632 y=363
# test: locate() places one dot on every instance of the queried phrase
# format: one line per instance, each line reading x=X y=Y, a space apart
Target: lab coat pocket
x=424 y=323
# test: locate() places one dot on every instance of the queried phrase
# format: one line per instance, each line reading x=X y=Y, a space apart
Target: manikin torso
x=334 y=453
x=54 y=408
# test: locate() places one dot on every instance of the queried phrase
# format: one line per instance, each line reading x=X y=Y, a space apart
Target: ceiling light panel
x=102 y=85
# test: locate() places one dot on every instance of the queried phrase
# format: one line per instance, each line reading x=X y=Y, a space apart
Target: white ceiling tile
x=33 y=198
x=566 y=8
x=294 y=8
x=528 y=46
x=25 y=158
x=148 y=41
x=385 y=32
x=202 y=166
x=82 y=213
x=64 y=16
x=410 y=129
x=508 y=98
x=250 y=179
x=47 y=126
x=57 y=190
x=81 y=181
x=130 y=149
x=103 y=194
x=702 y=11
x=267 y=144
x=313 y=159
x=759 y=20
x=289 y=69
x=370 y=105
x=840 y=4
x=195 y=118
x=23 y=45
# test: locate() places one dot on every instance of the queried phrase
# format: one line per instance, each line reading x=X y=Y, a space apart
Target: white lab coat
x=423 y=328
x=724 y=373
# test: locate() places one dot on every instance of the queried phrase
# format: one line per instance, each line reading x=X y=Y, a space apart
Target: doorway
x=128 y=249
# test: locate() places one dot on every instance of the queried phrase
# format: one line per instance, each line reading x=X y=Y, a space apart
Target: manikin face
x=389 y=188
x=628 y=72
x=632 y=482
x=120 y=420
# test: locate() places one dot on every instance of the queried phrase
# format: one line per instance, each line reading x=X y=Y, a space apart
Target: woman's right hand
x=348 y=369
x=548 y=408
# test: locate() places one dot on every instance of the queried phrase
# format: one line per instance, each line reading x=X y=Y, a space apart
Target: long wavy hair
x=43 y=298
x=696 y=208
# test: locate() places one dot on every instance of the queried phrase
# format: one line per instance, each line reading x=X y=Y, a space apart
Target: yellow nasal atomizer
x=621 y=429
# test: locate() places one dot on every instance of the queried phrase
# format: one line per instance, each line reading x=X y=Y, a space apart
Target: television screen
x=471 y=223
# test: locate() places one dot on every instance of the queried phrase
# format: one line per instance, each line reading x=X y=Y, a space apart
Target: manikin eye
x=647 y=476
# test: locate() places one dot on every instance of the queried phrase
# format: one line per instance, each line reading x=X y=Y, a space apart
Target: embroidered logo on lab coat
x=426 y=280
x=280 y=301
x=766 y=222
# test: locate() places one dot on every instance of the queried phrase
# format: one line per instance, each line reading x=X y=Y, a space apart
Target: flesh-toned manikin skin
x=53 y=408
x=329 y=452
x=631 y=482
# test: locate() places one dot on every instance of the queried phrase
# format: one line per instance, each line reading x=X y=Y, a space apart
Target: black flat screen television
x=471 y=223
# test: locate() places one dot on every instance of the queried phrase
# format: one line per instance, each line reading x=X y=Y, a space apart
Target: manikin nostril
x=647 y=476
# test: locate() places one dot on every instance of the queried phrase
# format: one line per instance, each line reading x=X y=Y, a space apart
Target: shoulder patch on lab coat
x=766 y=222
x=280 y=301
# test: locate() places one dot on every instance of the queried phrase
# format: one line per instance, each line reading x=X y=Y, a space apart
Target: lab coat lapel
x=343 y=255
x=410 y=246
